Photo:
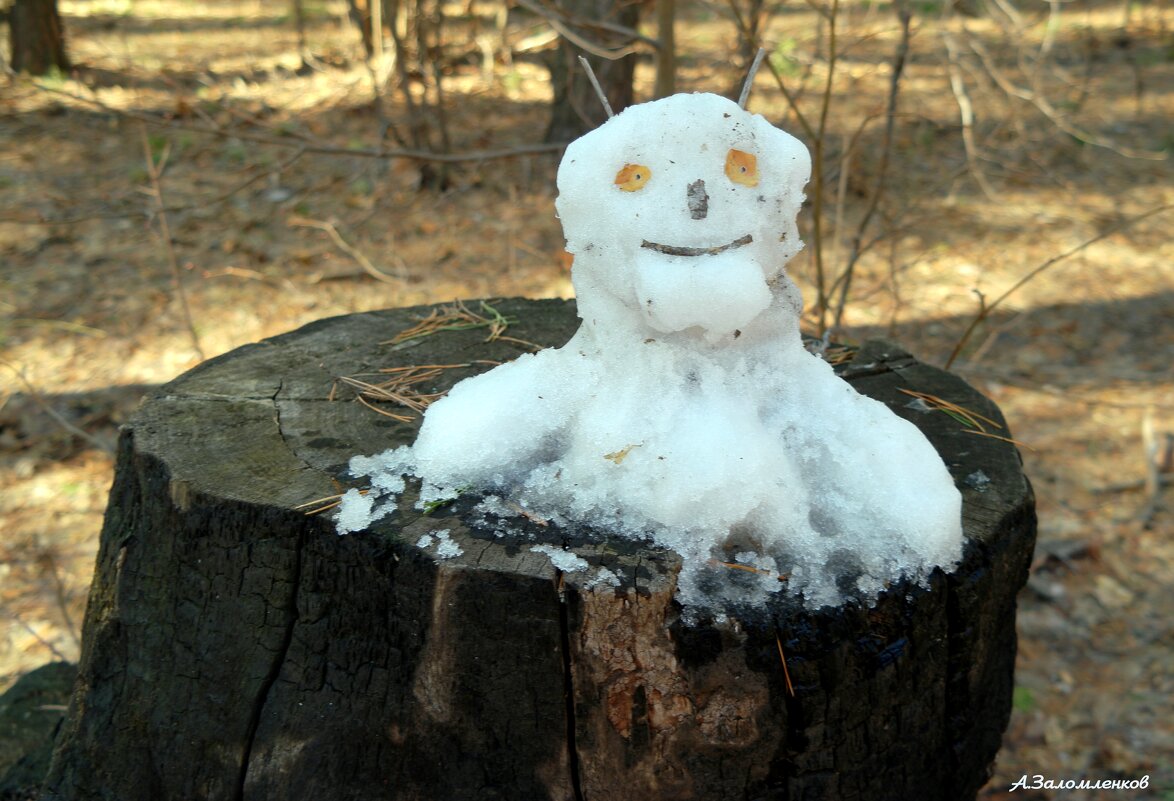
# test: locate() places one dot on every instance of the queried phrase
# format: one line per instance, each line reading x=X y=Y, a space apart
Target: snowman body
x=686 y=409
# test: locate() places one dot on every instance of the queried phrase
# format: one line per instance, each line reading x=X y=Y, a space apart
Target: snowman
x=686 y=410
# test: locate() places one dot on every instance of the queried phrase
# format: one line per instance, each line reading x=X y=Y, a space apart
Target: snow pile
x=685 y=410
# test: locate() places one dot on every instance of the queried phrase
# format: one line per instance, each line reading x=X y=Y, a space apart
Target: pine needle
x=459 y=317
x=400 y=388
x=320 y=505
x=531 y=516
x=410 y=367
x=786 y=673
x=972 y=420
x=1000 y=439
x=403 y=418
x=960 y=413
x=746 y=568
x=839 y=355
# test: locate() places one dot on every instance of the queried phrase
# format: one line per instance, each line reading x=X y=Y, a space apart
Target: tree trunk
x=360 y=13
x=237 y=648
x=575 y=108
x=666 y=50
x=37 y=37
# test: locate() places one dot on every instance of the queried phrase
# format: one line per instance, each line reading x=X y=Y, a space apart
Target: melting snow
x=565 y=561
x=686 y=409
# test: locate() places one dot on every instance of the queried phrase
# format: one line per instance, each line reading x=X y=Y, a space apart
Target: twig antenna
x=595 y=83
x=754 y=65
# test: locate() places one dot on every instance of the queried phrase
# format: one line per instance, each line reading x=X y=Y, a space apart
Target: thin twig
x=57 y=417
x=595 y=85
x=985 y=309
x=562 y=23
x=966 y=114
x=1158 y=454
x=64 y=325
x=898 y=69
x=154 y=172
x=1042 y=104
x=754 y=65
x=792 y=101
x=343 y=245
x=20 y=622
x=221 y=198
x=818 y=174
x=62 y=597
x=310 y=145
x=434 y=64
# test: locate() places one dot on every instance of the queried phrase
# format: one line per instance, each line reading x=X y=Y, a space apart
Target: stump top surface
x=271 y=423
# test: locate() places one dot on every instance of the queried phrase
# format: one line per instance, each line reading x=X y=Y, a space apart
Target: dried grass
x=401 y=388
x=971 y=419
x=459 y=317
x=960 y=413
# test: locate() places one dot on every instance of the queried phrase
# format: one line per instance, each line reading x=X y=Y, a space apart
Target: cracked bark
x=569 y=692
x=235 y=648
x=273 y=675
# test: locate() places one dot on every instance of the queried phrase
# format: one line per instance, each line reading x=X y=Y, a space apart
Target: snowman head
x=682 y=211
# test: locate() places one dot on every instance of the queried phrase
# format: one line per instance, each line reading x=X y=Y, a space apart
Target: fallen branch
x=309 y=145
x=985 y=309
x=35 y=394
x=966 y=115
x=346 y=247
x=1045 y=107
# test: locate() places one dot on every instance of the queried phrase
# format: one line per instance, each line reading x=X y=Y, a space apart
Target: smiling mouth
x=676 y=250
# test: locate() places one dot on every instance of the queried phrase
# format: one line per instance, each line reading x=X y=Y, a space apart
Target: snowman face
x=686 y=186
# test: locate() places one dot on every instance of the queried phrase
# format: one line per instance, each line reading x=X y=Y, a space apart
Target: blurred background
x=992 y=189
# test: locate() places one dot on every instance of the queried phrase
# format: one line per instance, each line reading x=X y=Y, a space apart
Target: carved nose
x=698 y=200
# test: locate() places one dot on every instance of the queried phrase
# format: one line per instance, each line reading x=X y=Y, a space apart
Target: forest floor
x=269 y=231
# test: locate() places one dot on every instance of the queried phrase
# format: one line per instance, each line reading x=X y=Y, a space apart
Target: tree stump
x=237 y=648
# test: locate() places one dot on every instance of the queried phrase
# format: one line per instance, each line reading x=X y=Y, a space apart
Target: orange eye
x=633 y=177
x=742 y=168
